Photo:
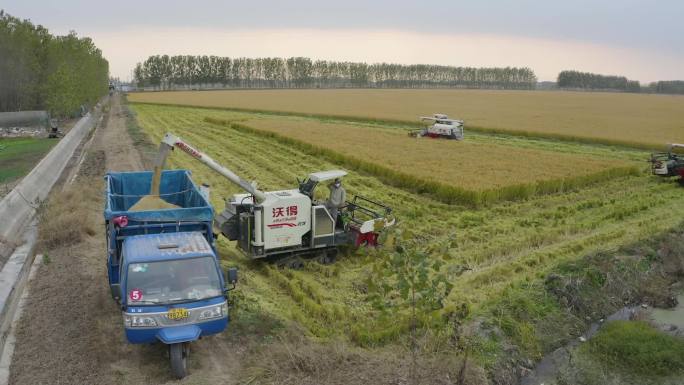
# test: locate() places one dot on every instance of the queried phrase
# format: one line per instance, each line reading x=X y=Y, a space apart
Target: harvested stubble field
x=494 y=248
x=636 y=119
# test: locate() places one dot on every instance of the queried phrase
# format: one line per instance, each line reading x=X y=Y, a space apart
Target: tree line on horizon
x=576 y=80
x=668 y=87
x=591 y=81
x=186 y=71
x=41 y=71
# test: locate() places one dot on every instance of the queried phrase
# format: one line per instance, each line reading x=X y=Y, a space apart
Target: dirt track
x=71 y=330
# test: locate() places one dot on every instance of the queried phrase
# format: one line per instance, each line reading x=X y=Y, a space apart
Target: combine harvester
x=285 y=224
x=668 y=164
x=162 y=263
x=439 y=126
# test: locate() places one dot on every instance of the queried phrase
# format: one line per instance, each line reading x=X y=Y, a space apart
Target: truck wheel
x=179 y=359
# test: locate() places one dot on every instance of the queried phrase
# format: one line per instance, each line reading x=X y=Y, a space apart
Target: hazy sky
x=642 y=40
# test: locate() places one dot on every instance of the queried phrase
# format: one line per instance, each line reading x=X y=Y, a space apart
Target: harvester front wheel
x=179 y=359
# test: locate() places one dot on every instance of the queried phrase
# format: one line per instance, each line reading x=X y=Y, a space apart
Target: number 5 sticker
x=135 y=295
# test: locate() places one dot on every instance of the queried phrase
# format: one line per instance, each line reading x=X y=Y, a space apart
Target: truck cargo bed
x=124 y=189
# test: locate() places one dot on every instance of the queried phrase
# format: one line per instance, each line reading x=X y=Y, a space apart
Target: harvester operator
x=337 y=198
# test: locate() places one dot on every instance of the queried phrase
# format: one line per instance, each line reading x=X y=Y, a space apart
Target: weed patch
x=62 y=219
x=638 y=347
x=141 y=141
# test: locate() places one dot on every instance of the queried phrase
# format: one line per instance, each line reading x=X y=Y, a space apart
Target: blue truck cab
x=162 y=264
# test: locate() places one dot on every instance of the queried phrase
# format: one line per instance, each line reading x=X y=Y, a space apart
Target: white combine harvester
x=282 y=225
x=670 y=163
x=439 y=126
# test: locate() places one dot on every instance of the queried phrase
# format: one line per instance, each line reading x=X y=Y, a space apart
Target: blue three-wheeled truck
x=162 y=264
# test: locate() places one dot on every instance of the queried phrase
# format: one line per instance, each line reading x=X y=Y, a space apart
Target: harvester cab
x=669 y=163
x=308 y=185
x=439 y=126
x=361 y=216
x=289 y=223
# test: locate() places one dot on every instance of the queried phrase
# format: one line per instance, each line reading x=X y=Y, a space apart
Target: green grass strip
x=638 y=348
x=440 y=191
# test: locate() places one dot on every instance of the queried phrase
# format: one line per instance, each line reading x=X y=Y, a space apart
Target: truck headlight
x=214 y=312
x=138 y=321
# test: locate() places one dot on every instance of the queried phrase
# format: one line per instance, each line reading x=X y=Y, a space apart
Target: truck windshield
x=174 y=281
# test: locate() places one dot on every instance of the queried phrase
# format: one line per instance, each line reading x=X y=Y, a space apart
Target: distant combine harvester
x=439 y=126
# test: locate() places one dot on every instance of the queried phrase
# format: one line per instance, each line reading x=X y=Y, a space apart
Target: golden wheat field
x=605 y=117
x=469 y=165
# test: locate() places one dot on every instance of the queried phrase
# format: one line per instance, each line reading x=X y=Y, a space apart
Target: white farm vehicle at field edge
x=439 y=126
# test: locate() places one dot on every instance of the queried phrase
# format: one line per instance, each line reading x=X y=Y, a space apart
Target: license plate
x=178 y=313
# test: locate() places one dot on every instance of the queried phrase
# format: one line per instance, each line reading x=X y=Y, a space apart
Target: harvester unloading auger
x=286 y=223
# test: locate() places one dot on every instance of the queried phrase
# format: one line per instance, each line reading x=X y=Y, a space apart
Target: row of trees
x=167 y=72
x=590 y=81
x=668 y=87
x=39 y=71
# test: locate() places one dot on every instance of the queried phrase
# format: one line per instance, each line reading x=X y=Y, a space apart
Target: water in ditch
x=674 y=316
x=546 y=371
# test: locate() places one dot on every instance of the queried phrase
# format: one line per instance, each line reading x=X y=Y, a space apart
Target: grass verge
x=639 y=348
x=141 y=140
x=62 y=218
